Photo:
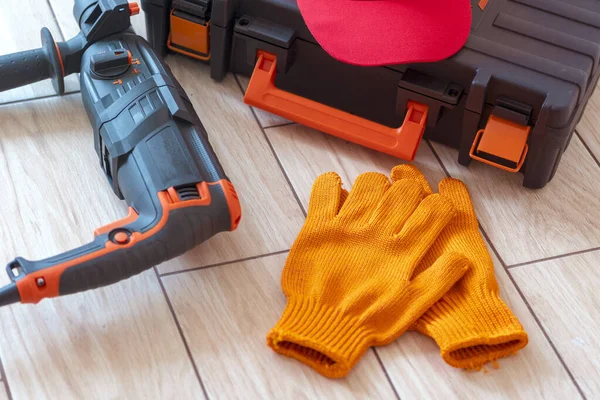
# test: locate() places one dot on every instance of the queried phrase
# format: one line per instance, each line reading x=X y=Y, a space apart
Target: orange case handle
x=401 y=142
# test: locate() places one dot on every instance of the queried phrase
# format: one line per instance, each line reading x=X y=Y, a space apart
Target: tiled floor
x=195 y=327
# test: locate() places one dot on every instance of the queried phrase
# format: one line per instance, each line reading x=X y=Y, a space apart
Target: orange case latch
x=502 y=143
x=189 y=35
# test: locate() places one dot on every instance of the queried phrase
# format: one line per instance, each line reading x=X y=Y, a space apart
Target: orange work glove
x=348 y=278
x=471 y=324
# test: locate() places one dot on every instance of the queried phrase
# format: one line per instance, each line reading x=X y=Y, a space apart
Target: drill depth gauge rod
x=152 y=147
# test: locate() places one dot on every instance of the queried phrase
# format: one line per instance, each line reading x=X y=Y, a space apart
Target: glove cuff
x=319 y=336
x=472 y=332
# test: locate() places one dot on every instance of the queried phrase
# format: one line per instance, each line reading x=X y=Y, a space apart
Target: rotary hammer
x=151 y=145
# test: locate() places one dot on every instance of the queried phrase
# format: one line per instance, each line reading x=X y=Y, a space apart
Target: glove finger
x=424 y=226
x=423 y=292
x=397 y=205
x=409 y=171
x=432 y=284
x=456 y=191
x=364 y=196
x=326 y=196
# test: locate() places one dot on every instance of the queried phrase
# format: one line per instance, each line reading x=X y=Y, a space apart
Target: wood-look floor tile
x=418 y=371
x=226 y=313
x=20 y=25
x=116 y=342
x=306 y=153
x=589 y=126
x=271 y=216
x=63 y=11
x=3 y=393
x=525 y=224
x=564 y=295
x=55 y=193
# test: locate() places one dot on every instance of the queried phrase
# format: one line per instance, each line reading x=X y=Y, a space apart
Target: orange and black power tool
x=152 y=148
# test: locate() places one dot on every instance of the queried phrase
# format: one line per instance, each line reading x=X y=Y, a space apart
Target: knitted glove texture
x=471 y=324
x=348 y=278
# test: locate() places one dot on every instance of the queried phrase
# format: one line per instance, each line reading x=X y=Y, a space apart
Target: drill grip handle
x=111 y=267
x=191 y=222
x=30 y=66
x=130 y=246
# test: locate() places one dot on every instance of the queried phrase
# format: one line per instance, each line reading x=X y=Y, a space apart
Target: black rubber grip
x=23 y=68
x=191 y=226
x=30 y=66
x=167 y=235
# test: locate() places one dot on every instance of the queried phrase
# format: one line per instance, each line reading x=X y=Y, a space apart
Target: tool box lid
x=284 y=12
x=543 y=51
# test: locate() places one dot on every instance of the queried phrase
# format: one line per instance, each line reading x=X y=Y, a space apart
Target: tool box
x=510 y=98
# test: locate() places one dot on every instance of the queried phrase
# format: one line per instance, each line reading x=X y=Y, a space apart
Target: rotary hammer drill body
x=151 y=145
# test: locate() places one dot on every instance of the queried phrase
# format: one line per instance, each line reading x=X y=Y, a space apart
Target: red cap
x=386 y=32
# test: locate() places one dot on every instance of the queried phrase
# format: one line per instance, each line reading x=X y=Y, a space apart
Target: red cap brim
x=387 y=32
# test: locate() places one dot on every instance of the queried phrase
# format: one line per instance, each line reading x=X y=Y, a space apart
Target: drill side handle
x=97 y=18
x=30 y=66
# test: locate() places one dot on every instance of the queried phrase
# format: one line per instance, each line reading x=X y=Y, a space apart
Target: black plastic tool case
x=532 y=62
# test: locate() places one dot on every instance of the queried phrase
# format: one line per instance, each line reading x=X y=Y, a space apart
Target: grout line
x=439 y=160
x=5 y=381
x=49 y=96
x=385 y=372
x=535 y=317
x=287 y=178
x=552 y=258
x=235 y=76
x=588 y=148
x=181 y=334
x=281 y=125
x=223 y=263
x=62 y=35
